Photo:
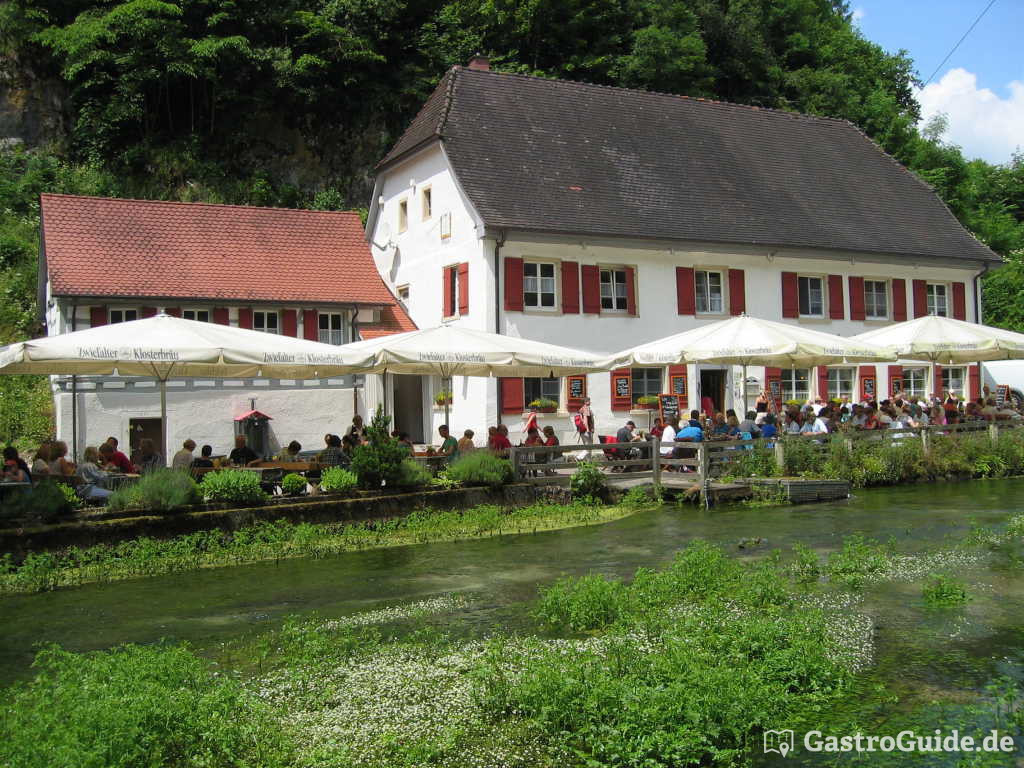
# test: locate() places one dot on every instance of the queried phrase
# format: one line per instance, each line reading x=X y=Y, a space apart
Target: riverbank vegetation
x=281 y=539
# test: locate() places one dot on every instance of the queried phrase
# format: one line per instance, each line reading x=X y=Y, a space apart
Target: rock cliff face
x=32 y=109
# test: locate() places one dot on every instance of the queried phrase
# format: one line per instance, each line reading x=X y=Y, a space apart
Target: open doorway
x=712 y=385
x=408 y=405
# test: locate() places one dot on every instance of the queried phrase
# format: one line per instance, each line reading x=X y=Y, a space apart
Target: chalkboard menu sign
x=577 y=387
x=1002 y=395
x=896 y=385
x=775 y=387
x=669 y=406
x=679 y=385
x=622 y=387
x=867 y=388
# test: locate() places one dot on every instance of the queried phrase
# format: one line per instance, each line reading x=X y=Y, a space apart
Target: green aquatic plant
x=588 y=481
x=941 y=590
x=805 y=566
x=857 y=561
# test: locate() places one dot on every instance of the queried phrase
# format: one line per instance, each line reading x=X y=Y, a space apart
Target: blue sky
x=981 y=87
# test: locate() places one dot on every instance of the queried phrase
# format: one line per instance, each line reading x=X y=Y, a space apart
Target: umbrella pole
x=449 y=388
x=743 y=384
x=163 y=417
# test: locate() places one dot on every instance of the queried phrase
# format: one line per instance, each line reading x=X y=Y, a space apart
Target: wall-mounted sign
x=867 y=388
x=577 y=387
x=669 y=405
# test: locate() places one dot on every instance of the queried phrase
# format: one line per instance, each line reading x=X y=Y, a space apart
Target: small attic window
x=427 y=207
x=403 y=215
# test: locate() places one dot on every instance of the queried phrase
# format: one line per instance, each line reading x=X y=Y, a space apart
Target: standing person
x=585 y=421
x=449 y=445
x=183 y=459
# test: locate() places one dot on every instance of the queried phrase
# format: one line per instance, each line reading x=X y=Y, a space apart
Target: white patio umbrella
x=747 y=341
x=452 y=350
x=944 y=341
x=164 y=347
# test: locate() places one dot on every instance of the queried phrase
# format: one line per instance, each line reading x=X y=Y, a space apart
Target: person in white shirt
x=668 y=438
x=817 y=405
x=817 y=426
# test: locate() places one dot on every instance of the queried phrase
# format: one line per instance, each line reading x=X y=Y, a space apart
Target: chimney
x=480 y=62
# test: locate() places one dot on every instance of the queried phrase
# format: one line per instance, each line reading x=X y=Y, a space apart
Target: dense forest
x=292 y=103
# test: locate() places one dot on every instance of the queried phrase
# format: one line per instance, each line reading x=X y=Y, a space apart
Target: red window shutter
x=974 y=376
x=836 y=310
x=289 y=322
x=97 y=316
x=513 y=284
x=590 y=276
x=770 y=375
x=464 y=288
x=895 y=374
x=938 y=380
x=686 y=291
x=570 y=288
x=899 y=300
x=147 y=312
x=790 y=301
x=630 y=291
x=621 y=402
x=310 y=325
x=447 y=306
x=856 y=298
x=675 y=371
x=737 y=292
x=920 y=288
x=511 y=394
x=867 y=372
x=245 y=317
x=220 y=316
x=959 y=302
x=173 y=311
x=823 y=382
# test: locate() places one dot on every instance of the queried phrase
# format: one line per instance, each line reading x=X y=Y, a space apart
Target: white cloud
x=981 y=122
x=857 y=15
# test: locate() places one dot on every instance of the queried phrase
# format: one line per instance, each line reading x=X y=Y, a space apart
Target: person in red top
x=114 y=458
x=498 y=441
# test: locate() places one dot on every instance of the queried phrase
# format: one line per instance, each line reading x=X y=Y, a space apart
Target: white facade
x=411 y=254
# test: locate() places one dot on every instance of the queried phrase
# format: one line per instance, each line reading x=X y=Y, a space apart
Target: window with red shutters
x=511 y=394
x=899 y=300
x=245 y=317
x=895 y=382
x=836 y=308
x=856 y=298
x=220 y=316
x=448 y=291
x=920 y=288
x=513 y=284
x=974 y=374
x=678 y=385
x=147 y=312
x=773 y=383
x=590 y=277
x=959 y=301
x=686 y=295
x=737 y=292
x=173 y=311
x=570 y=288
x=97 y=316
x=790 y=301
x=823 y=382
x=289 y=322
x=310 y=325
x=621 y=389
x=463 y=275
x=938 y=384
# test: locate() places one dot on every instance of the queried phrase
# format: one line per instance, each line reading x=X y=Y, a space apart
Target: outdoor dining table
x=114 y=481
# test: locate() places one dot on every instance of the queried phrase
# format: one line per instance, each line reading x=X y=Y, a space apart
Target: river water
x=920 y=652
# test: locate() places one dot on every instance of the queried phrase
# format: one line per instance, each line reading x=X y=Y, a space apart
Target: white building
x=301 y=273
x=601 y=217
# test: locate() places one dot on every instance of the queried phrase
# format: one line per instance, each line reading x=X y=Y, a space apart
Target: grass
x=281 y=539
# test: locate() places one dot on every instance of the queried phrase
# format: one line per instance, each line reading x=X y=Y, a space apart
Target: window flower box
x=543 y=405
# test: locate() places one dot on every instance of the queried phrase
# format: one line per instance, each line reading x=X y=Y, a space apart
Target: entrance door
x=712 y=385
x=408 y=405
x=139 y=430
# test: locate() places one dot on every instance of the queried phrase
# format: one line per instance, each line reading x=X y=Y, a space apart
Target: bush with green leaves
x=379 y=462
x=412 y=474
x=160 y=491
x=588 y=481
x=136 y=706
x=481 y=468
x=293 y=484
x=639 y=496
x=46 y=502
x=941 y=590
x=233 y=485
x=338 y=480
x=858 y=560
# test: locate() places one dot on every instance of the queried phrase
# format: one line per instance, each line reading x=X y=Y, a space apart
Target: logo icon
x=779 y=741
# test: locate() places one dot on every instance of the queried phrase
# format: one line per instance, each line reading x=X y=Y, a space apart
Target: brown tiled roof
x=136 y=248
x=566 y=157
x=393 y=319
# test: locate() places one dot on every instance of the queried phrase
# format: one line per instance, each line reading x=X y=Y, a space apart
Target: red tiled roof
x=393 y=319
x=138 y=249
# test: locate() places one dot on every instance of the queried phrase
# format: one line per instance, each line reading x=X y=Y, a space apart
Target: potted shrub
x=443 y=398
x=293 y=484
x=649 y=402
x=543 y=405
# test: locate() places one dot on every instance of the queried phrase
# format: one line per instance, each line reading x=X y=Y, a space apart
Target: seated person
x=768 y=428
x=183 y=458
x=449 y=445
x=114 y=459
x=749 y=424
x=333 y=455
x=733 y=423
x=695 y=419
x=242 y=455
x=13 y=471
x=719 y=429
x=497 y=440
x=658 y=427
x=668 y=436
x=11 y=454
x=93 y=478
x=549 y=436
x=404 y=439
x=41 y=461
x=290 y=453
x=815 y=425
x=533 y=437
x=466 y=444
x=60 y=465
x=149 y=459
x=626 y=433
x=204 y=461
